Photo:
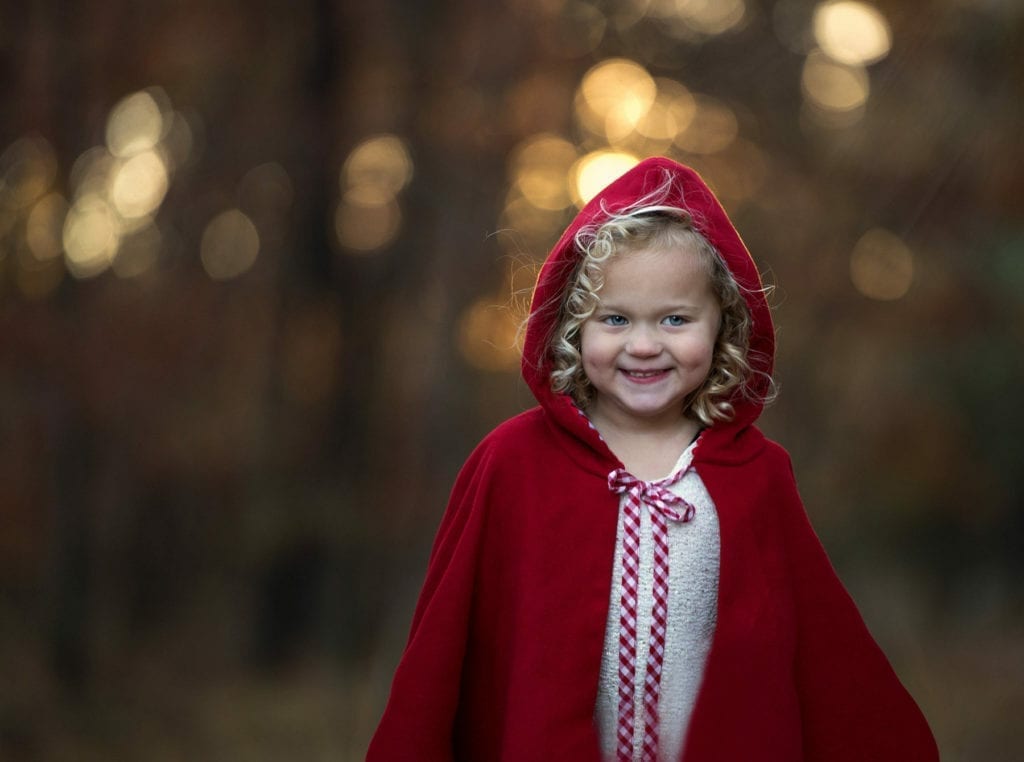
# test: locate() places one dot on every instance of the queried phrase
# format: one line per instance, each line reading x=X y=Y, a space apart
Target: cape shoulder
x=518 y=433
x=499 y=576
x=785 y=616
x=507 y=453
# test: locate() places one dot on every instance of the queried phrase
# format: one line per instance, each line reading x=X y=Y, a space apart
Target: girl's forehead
x=656 y=270
x=684 y=258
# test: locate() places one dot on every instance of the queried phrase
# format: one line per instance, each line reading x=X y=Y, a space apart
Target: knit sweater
x=693 y=590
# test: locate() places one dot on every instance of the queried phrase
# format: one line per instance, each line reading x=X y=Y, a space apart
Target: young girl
x=626 y=572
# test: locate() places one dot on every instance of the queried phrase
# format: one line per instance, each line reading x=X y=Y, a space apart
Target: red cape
x=502 y=661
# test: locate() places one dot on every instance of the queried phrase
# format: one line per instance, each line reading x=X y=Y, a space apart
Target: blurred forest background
x=261 y=270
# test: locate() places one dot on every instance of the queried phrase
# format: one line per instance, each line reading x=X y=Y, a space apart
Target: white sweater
x=694 y=554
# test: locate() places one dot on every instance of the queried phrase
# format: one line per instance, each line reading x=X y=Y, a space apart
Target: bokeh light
x=613 y=97
x=137 y=123
x=45 y=225
x=881 y=265
x=710 y=17
x=138 y=185
x=525 y=228
x=90 y=173
x=229 y=246
x=487 y=336
x=595 y=170
x=852 y=32
x=540 y=170
x=833 y=86
x=627 y=13
x=117 y=188
x=179 y=142
x=376 y=170
x=362 y=227
x=712 y=127
x=368 y=216
x=671 y=113
x=92 y=234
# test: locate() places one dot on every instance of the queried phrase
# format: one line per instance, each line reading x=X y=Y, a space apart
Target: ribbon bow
x=654 y=494
x=662 y=504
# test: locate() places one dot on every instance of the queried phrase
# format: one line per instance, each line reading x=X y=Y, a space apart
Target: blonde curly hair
x=663 y=227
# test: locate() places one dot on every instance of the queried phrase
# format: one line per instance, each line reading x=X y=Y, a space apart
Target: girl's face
x=650 y=341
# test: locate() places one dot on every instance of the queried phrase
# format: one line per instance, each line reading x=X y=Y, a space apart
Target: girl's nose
x=642 y=344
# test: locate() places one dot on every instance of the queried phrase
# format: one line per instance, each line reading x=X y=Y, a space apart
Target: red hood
x=690 y=192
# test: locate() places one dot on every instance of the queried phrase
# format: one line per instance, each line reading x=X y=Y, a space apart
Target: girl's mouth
x=644 y=376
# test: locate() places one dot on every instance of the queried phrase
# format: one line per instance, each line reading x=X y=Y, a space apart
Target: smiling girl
x=626 y=571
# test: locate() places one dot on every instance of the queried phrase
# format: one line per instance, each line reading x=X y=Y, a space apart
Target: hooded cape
x=503 y=657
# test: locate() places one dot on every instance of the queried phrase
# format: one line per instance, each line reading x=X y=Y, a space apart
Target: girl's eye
x=613 y=320
x=676 y=320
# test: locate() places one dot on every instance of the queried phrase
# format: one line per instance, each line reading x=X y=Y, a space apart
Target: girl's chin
x=650 y=413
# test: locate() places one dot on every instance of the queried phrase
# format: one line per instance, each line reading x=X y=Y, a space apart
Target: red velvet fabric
x=502 y=661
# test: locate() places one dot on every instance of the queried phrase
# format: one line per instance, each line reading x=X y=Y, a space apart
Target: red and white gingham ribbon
x=662 y=504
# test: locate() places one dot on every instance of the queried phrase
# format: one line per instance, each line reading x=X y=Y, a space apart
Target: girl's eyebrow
x=670 y=307
x=609 y=307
